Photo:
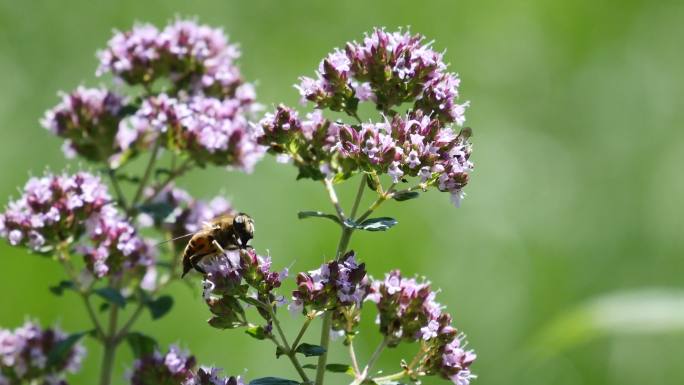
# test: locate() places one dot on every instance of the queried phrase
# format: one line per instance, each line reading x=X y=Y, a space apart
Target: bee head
x=244 y=228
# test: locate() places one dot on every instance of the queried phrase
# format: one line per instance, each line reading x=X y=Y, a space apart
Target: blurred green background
x=577 y=195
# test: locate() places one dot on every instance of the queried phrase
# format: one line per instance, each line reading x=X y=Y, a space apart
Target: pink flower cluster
x=339 y=285
x=207 y=129
x=176 y=367
x=390 y=70
x=53 y=209
x=88 y=120
x=187 y=214
x=115 y=245
x=192 y=56
x=56 y=210
x=229 y=277
x=407 y=311
x=25 y=351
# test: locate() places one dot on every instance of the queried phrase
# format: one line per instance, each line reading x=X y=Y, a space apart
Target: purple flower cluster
x=56 y=210
x=450 y=360
x=53 y=209
x=192 y=56
x=229 y=277
x=211 y=376
x=208 y=129
x=407 y=311
x=336 y=283
x=24 y=356
x=188 y=215
x=88 y=119
x=390 y=70
x=176 y=368
x=173 y=368
x=414 y=145
x=115 y=245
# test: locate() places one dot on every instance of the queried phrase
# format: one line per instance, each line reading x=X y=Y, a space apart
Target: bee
x=227 y=232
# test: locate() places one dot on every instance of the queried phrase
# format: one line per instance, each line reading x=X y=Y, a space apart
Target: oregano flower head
x=26 y=355
x=408 y=83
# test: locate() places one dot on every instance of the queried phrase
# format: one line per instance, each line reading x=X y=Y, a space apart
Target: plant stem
x=374 y=357
x=288 y=350
x=345 y=237
x=355 y=362
x=325 y=343
x=117 y=189
x=388 y=194
x=93 y=317
x=391 y=377
x=107 y=363
x=175 y=173
x=301 y=332
x=147 y=174
x=333 y=198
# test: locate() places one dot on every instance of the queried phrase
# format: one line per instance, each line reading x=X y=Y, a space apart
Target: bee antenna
x=175 y=239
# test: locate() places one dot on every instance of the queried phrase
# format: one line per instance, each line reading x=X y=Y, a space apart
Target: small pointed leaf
x=160 y=306
x=257 y=332
x=111 y=295
x=401 y=196
x=140 y=344
x=319 y=214
x=61 y=287
x=377 y=224
x=310 y=350
x=272 y=381
x=59 y=353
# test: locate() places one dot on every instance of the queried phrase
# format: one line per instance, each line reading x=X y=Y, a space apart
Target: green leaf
x=310 y=366
x=160 y=211
x=339 y=368
x=377 y=224
x=253 y=301
x=160 y=306
x=257 y=332
x=140 y=344
x=310 y=350
x=62 y=286
x=401 y=196
x=319 y=214
x=225 y=322
x=59 y=353
x=272 y=381
x=112 y=296
x=104 y=306
x=639 y=312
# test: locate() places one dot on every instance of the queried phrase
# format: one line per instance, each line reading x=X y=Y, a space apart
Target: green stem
x=147 y=174
x=107 y=363
x=325 y=343
x=288 y=351
x=345 y=237
x=117 y=189
x=352 y=356
x=391 y=377
x=301 y=332
x=175 y=173
x=374 y=357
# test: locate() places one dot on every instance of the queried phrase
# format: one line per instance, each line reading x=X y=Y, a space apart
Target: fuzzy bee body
x=223 y=233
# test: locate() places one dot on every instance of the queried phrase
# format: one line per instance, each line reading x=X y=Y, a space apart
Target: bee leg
x=194 y=262
x=218 y=246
